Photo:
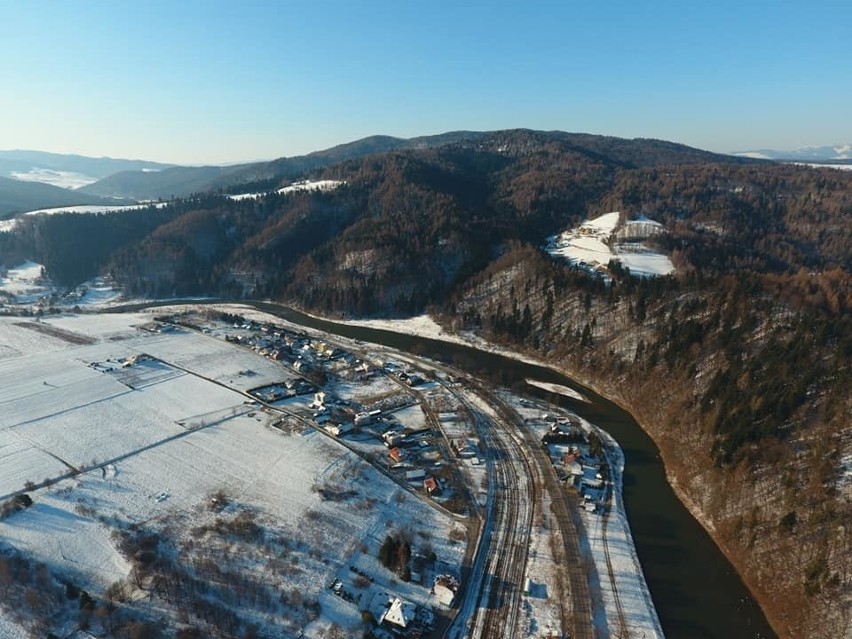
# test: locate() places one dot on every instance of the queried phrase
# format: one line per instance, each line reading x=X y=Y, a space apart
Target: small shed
x=431 y=485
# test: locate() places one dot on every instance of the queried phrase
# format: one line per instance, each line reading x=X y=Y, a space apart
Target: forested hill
x=183 y=181
x=17 y=197
x=738 y=364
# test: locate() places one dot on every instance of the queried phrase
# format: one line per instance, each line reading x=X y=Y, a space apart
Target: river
x=695 y=589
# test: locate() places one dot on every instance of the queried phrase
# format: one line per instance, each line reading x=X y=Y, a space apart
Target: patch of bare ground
x=58 y=333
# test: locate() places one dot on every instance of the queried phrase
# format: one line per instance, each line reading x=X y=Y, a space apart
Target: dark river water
x=695 y=589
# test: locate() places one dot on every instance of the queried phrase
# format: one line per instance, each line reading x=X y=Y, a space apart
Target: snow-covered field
x=92 y=208
x=126 y=440
x=305 y=185
x=62 y=179
x=596 y=242
x=24 y=285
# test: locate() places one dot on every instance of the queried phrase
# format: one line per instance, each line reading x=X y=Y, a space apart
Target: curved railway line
x=578 y=620
x=513 y=492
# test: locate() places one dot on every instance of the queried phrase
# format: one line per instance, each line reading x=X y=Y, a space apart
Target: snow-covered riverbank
x=622 y=585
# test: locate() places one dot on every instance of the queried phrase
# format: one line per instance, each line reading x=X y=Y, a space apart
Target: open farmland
x=163 y=490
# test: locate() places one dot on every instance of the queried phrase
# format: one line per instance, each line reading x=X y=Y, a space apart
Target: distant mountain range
x=67 y=171
x=140 y=180
x=804 y=154
x=260 y=176
x=143 y=180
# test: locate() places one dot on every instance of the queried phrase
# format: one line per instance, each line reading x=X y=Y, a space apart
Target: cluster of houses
x=302 y=353
x=409 y=378
x=285 y=390
x=576 y=465
x=413 y=455
x=410 y=453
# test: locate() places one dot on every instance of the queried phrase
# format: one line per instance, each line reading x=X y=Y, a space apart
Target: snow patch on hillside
x=312 y=185
x=304 y=185
x=817 y=165
x=92 y=208
x=596 y=242
x=754 y=155
x=26 y=284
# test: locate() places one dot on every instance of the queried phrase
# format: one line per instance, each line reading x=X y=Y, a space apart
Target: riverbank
x=609 y=542
x=425 y=327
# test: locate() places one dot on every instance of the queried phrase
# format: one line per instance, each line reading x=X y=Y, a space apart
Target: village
x=374 y=471
x=408 y=423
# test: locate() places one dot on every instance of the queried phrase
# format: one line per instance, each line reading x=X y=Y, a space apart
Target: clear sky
x=225 y=81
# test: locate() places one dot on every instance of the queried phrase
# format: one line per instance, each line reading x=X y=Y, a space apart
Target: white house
x=398 y=613
x=445 y=588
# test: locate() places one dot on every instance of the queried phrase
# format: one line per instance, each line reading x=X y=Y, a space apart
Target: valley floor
x=123 y=432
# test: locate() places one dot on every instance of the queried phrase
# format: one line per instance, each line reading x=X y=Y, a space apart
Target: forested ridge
x=738 y=364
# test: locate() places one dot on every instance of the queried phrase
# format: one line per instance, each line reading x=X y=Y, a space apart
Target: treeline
x=75 y=247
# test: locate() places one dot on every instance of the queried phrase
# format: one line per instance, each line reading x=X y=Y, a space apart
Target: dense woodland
x=746 y=350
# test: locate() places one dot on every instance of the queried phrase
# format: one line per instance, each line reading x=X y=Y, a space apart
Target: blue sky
x=213 y=82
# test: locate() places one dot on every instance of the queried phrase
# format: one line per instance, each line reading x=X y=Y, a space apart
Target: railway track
x=624 y=632
x=515 y=494
x=578 y=620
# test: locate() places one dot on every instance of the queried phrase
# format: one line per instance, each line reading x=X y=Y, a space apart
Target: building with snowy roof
x=399 y=613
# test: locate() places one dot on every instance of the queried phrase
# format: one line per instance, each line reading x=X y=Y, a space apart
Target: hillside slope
x=254 y=176
x=743 y=382
x=18 y=197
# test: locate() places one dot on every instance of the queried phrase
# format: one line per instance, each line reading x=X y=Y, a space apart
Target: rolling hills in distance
x=140 y=180
x=143 y=180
